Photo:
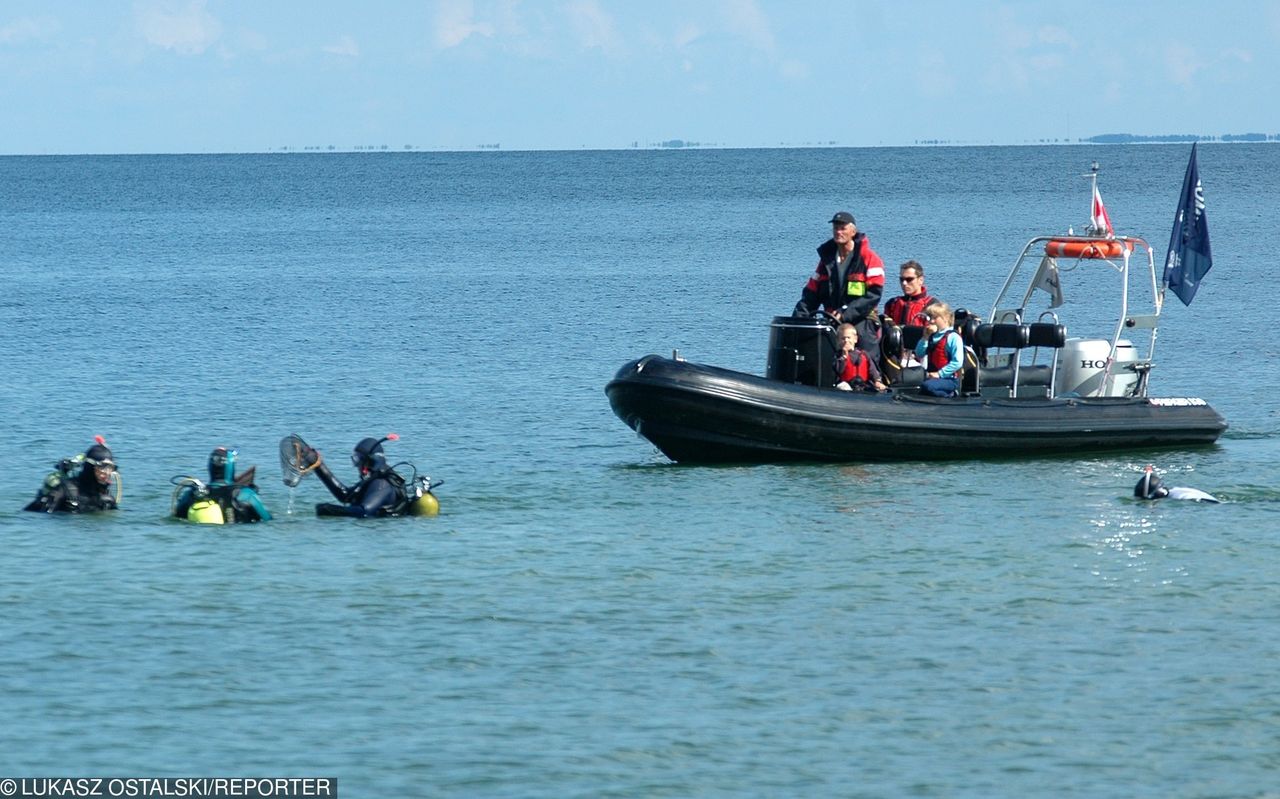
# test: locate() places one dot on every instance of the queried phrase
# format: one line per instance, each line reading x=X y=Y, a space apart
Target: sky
x=175 y=76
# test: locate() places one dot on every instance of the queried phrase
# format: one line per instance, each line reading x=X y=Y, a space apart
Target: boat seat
x=911 y=377
x=911 y=335
x=1039 y=375
x=1003 y=336
x=893 y=340
x=1044 y=334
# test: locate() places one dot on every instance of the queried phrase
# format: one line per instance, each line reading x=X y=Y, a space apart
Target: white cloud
x=186 y=28
x=794 y=70
x=744 y=18
x=249 y=39
x=593 y=27
x=1052 y=34
x=934 y=76
x=1182 y=63
x=1046 y=62
x=455 y=23
x=29 y=29
x=345 y=46
x=687 y=34
x=1237 y=54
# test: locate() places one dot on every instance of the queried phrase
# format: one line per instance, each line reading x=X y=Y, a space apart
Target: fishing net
x=297 y=459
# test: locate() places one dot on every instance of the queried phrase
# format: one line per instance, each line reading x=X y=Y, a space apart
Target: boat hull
x=696 y=413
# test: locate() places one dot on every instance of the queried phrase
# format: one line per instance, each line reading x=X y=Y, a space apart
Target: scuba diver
x=227 y=498
x=382 y=491
x=86 y=483
x=1152 y=487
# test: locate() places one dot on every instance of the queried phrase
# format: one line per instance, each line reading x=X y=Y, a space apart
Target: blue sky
x=254 y=75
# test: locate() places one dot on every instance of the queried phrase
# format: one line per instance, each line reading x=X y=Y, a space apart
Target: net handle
x=292 y=465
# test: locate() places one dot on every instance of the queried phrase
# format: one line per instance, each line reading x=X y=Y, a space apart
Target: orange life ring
x=1087 y=248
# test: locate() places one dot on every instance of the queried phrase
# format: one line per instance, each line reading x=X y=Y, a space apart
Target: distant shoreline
x=680 y=144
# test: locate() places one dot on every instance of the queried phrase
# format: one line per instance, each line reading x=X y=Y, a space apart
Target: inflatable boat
x=1028 y=388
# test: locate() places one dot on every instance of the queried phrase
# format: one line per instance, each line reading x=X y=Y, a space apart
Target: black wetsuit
x=82 y=493
x=379 y=493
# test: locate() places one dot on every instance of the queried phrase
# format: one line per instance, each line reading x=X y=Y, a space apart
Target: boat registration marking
x=1177 y=401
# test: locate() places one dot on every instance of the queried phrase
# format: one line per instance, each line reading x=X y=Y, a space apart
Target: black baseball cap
x=843 y=218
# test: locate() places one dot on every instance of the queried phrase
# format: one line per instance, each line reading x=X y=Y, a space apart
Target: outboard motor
x=801 y=351
x=1082 y=362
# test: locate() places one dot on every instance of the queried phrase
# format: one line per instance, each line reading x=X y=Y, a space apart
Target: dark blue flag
x=1189 y=257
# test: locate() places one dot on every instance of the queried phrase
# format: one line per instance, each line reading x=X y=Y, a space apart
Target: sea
x=585 y=618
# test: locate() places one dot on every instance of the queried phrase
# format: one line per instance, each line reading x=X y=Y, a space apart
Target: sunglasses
x=906 y=279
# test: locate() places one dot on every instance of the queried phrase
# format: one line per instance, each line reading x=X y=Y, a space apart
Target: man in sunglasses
x=908 y=309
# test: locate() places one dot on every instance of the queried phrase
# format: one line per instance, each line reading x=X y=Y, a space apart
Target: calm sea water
x=585 y=618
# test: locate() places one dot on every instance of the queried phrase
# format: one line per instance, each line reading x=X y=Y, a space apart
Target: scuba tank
x=205 y=511
x=193 y=501
x=421 y=501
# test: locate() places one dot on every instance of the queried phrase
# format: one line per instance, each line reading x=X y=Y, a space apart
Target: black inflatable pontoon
x=1028 y=390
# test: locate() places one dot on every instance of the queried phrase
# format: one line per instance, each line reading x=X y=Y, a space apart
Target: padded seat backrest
x=890 y=340
x=911 y=335
x=1003 y=336
x=1044 y=334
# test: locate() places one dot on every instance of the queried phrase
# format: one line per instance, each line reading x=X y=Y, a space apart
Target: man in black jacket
x=847 y=283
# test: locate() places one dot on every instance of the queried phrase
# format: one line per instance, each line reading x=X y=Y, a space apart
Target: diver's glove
x=308 y=456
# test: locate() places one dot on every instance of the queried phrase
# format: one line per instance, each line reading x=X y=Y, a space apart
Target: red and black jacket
x=906 y=310
x=857 y=295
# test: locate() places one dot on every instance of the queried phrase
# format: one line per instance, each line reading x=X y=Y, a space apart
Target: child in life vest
x=855 y=370
x=942 y=352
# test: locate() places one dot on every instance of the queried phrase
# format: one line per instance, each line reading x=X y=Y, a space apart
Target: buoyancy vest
x=853 y=370
x=70 y=491
x=937 y=353
x=381 y=493
x=240 y=503
x=905 y=310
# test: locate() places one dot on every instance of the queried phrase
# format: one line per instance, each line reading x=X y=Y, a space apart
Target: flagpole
x=1093 y=191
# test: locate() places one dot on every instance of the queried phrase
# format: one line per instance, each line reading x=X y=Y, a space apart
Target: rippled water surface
x=585 y=618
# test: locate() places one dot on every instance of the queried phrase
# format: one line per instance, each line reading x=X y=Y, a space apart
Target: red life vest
x=905 y=310
x=937 y=353
x=854 y=370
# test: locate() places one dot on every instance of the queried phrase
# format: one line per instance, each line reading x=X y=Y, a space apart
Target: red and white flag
x=1101 y=221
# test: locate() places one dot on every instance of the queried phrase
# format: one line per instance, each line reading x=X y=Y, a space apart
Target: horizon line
x=492 y=149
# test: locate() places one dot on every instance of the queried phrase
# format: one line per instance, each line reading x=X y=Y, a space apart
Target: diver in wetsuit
x=1152 y=487
x=228 y=497
x=380 y=492
x=86 y=483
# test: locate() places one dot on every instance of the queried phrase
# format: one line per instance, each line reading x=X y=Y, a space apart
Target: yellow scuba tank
x=425 y=505
x=421 y=501
x=205 y=511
